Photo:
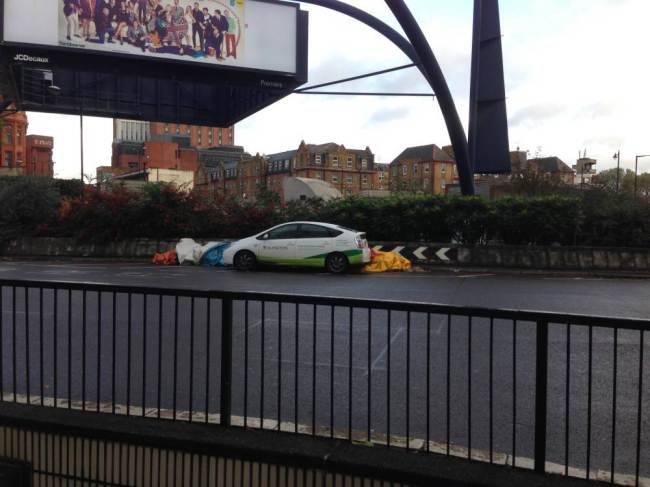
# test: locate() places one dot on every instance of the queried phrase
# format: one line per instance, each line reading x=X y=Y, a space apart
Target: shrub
x=598 y=217
x=27 y=206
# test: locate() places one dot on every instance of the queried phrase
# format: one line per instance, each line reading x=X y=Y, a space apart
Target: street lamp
x=617 y=156
x=636 y=171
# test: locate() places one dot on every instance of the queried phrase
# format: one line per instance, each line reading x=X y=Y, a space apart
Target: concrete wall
x=555 y=258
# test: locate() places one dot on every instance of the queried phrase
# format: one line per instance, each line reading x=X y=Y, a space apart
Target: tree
x=607 y=180
x=531 y=183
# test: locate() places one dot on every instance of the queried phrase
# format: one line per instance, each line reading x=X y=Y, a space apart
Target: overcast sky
x=577 y=77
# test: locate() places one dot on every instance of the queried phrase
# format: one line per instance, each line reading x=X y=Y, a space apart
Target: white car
x=307 y=244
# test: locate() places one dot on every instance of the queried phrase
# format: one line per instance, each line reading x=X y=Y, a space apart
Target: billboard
x=252 y=34
x=199 y=62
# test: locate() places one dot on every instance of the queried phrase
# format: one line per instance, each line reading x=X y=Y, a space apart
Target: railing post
x=226 y=361
x=541 y=396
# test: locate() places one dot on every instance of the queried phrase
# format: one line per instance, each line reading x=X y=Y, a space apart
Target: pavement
x=339 y=368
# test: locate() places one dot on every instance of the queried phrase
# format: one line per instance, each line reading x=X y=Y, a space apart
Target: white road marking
x=373 y=366
x=473 y=276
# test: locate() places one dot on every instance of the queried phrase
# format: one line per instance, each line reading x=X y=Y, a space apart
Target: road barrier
x=424 y=254
x=483 y=383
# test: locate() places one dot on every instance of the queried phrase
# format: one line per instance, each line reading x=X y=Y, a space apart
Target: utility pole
x=618 y=170
x=81 y=131
x=636 y=172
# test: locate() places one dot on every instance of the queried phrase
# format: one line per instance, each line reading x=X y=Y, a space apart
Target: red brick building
x=39 y=156
x=22 y=154
x=13 y=143
x=138 y=146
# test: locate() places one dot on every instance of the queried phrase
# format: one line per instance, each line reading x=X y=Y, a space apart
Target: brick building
x=199 y=136
x=218 y=169
x=351 y=171
x=139 y=147
x=382 y=177
x=22 y=154
x=13 y=143
x=423 y=169
x=552 y=168
x=38 y=161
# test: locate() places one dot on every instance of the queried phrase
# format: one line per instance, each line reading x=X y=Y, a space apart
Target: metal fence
x=549 y=392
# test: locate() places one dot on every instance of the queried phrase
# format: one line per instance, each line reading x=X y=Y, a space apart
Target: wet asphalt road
x=370 y=344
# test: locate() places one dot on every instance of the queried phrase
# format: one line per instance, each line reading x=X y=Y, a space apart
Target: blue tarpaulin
x=213 y=257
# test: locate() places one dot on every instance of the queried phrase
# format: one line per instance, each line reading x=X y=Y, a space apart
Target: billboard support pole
x=419 y=51
x=81 y=132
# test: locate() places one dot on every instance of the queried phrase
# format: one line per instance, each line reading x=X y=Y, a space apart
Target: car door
x=278 y=246
x=313 y=244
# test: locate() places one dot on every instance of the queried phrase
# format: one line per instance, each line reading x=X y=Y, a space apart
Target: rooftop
x=424 y=153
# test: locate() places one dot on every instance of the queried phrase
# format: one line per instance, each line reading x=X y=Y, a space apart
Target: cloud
x=535 y=114
x=388 y=115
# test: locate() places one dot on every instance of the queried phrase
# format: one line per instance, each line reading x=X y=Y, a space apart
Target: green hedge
x=41 y=207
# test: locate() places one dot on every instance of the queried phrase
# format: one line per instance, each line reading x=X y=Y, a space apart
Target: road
x=435 y=387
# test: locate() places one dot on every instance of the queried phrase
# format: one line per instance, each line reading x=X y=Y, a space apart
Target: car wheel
x=336 y=263
x=245 y=260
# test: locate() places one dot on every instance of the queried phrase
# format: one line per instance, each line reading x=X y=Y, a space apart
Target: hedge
x=41 y=207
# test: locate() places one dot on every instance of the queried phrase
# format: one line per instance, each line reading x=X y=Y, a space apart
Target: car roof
x=328 y=225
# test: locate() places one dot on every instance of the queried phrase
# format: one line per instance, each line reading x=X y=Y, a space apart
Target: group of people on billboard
x=204 y=28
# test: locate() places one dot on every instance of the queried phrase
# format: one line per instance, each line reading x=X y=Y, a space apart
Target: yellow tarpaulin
x=386 y=262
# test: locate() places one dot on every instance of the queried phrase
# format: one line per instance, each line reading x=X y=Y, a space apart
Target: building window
x=427 y=169
x=405 y=170
x=178 y=130
x=133 y=166
x=19 y=160
x=443 y=169
x=19 y=136
x=349 y=162
x=335 y=161
x=9 y=158
x=395 y=171
x=364 y=179
x=364 y=163
x=9 y=136
x=348 y=179
x=317 y=159
x=286 y=165
x=415 y=169
x=335 y=179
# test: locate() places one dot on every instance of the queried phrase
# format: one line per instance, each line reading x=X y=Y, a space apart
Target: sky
x=577 y=78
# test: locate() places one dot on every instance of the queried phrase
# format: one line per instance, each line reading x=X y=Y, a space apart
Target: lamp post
x=636 y=171
x=617 y=156
x=81 y=151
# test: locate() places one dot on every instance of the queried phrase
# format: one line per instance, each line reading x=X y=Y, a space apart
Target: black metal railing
x=551 y=392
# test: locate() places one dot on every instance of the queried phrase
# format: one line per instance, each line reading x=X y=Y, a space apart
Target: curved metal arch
x=418 y=50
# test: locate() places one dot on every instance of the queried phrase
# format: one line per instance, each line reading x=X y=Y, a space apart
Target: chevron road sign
x=425 y=253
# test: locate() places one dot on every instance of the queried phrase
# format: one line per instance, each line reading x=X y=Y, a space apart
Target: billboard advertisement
x=254 y=34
